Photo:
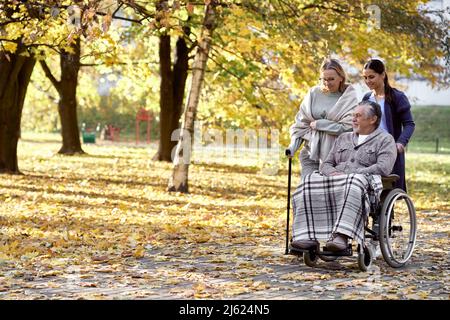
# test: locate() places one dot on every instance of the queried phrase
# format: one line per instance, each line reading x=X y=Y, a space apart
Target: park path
x=261 y=272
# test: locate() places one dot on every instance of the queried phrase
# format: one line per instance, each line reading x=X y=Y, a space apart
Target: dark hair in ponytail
x=378 y=66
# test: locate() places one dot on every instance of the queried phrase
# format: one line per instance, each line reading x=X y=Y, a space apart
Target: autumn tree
x=31 y=31
x=166 y=25
x=170 y=22
x=86 y=24
x=20 y=27
x=15 y=73
x=267 y=55
x=67 y=91
x=173 y=80
x=179 y=179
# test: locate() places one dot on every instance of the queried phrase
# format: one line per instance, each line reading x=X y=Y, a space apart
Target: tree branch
x=118 y=63
x=38 y=87
x=48 y=73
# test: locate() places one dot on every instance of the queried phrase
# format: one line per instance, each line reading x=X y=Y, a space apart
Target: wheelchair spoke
x=399 y=231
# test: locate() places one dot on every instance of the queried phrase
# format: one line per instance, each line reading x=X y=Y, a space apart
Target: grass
x=431 y=124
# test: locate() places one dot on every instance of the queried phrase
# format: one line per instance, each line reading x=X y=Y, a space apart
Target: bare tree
x=179 y=179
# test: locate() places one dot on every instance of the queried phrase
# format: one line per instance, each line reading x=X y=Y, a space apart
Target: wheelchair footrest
x=295 y=251
x=346 y=252
x=324 y=252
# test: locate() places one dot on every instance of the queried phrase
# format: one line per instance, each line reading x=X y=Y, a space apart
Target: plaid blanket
x=324 y=205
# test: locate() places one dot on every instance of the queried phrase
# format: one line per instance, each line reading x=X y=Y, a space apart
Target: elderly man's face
x=362 y=124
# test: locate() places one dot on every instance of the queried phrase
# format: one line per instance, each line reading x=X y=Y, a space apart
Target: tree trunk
x=15 y=74
x=166 y=102
x=172 y=88
x=180 y=73
x=179 y=179
x=67 y=105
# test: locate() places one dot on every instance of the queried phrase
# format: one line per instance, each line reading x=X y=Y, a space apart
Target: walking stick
x=288 y=201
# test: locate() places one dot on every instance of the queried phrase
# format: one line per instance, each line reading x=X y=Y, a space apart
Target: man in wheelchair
x=333 y=203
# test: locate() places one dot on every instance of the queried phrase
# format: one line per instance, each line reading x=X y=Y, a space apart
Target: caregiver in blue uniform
x=396 y=118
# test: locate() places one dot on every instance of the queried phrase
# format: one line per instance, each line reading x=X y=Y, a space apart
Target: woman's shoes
x=337 y=243
x=305 y=244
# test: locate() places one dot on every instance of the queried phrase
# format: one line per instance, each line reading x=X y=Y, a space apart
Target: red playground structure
x=143 y=115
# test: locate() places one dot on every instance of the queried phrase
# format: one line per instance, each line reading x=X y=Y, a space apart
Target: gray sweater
x=321 y=104
x=376 y=155
x=333 y=115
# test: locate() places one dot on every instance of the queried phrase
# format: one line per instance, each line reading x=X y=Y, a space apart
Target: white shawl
x=319 y=142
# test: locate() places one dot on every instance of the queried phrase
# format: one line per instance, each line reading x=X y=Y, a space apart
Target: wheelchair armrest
x=389 y=181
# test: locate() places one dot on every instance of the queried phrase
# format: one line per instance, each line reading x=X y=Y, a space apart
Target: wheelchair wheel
x=328 y=258
x=364 y=258
x=310 y=258
x=398 y=228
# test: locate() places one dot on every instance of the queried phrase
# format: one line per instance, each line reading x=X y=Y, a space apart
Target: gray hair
x=373 y=109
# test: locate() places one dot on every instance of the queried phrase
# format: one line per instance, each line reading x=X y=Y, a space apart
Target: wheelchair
x=392 y=224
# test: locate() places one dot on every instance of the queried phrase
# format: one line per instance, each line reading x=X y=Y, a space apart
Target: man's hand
x=400 y=148
x=312 y=125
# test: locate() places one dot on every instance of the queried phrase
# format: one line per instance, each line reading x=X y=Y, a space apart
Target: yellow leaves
x=70 y=39
x=201 y=238
x=139 y=252
x=9 y=46
x=265 y=225
x=223 y=240
x=107 y=19
x=261 y=252
x=190 y=7
x=10 y=247
x=170 y=228
x=244 y=32
x=332 y=27
x=100 y=259
x=51 y=273
x=30 y=255
x=176 y=31
x=418 y=296
x=199 y=287
x=301 y=276
x=260 y=285
x=7 y=198
x=88 y=15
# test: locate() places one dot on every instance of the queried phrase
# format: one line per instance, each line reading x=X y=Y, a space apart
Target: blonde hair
x=333 y=64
